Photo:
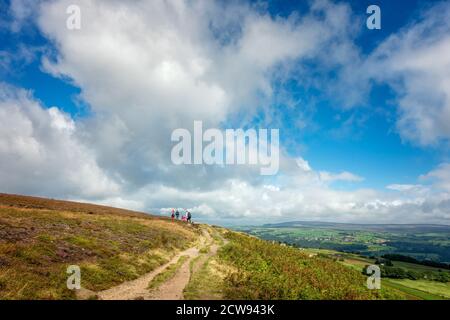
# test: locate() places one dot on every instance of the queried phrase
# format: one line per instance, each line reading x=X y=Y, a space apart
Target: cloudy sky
x=364 y=115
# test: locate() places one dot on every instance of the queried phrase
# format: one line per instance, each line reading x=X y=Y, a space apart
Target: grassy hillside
x=40 y=238
x=421 y=288
x=265 y=270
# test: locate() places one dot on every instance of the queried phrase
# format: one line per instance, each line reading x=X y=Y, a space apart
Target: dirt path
x=202 y=260
x=138 y=289
x=172 y=289
x=206 y=279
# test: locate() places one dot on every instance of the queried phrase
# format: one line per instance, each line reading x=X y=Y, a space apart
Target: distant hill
x=410 y=228
x=30 y=202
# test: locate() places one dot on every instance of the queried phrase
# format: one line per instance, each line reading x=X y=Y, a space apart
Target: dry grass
x=167 y=274
x=208 y=282
x=40 y=238
x=269 y=271
x=28 y=202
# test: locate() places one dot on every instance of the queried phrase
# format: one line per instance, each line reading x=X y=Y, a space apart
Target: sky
x=363 y=115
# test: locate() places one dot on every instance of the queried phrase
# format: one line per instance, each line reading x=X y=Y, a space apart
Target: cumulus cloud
x=416 y=63
x=439 y=176
x=240 y=202
x=149 y=67
x=41 y=154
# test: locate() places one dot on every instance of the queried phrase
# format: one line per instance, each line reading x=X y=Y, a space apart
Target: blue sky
x=373 y=145
x=346 y=100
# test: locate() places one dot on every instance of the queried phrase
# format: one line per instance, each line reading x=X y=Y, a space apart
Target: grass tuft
x=167 y=274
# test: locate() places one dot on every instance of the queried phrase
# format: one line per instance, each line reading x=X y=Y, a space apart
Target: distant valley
x=423 y=242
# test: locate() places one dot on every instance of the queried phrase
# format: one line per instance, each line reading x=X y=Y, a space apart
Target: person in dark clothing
x=189 y=217
x=172 y=215
x=177 y=214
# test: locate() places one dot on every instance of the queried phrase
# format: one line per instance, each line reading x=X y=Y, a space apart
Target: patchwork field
x=433 y=287
x=370 y=240
x=411 y=257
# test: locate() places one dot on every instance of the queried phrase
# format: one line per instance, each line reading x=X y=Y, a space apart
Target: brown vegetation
x=40 y=238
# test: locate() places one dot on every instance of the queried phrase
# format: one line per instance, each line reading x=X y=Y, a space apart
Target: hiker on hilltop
x=183 y=218
x=173 y=214
x=177 y=214
x=189 y=217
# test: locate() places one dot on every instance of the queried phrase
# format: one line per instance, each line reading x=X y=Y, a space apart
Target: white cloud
x=303 y=164
x=416 y=62
x=41 y=154
x=439 y=176
x=149 y=67
x=404 y=187
x=343 y=176
x=21 y=12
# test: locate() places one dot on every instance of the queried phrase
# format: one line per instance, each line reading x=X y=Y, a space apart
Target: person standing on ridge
x=177 y=214
x=173 y=214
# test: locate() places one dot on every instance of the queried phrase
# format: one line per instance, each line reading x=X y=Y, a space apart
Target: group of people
x=187 y=217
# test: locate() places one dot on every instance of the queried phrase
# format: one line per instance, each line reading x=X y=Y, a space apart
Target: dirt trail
x=137 y=289
x=202 y=260
x=172 y=289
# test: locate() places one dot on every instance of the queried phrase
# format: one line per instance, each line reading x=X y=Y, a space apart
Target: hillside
x=124 y=254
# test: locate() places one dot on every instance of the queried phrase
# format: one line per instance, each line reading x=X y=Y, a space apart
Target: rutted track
x=173 y=288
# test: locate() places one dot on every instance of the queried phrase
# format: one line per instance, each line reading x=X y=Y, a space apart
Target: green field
x=409 y=289
x=430 y=287
x=415 y=241
x=417 y=267
x=358 y=246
